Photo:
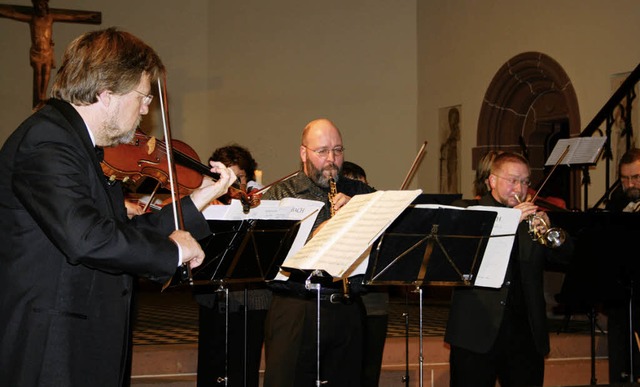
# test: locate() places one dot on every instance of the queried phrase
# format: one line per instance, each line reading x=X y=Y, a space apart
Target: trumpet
x=541 y=232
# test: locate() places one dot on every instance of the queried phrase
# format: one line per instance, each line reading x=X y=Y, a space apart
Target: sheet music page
x=496 y=255
x=306 y=211
x=288 y=208
x=346 y=236
x=582 y=150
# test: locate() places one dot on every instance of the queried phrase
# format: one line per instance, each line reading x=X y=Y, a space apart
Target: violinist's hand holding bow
x=211 y=190
x=190 y=248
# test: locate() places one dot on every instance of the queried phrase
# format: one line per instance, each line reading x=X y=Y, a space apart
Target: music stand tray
x=431 y=246
x=244 y=251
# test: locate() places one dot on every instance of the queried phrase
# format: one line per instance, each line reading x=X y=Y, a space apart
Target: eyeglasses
x=324 y=152
x=147 y=98
x=513 y=181
x=635 y=179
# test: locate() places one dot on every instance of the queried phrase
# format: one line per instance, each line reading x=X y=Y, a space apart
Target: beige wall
x=256 y=71
x=463 y=43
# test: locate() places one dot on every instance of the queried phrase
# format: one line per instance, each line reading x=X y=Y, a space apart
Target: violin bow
x=266 y=187
x=564 y=153
x=414 y=166
x=185 y=269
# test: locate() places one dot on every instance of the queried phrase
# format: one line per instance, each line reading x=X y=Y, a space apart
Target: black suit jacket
x=69 y=255
x=476 y=312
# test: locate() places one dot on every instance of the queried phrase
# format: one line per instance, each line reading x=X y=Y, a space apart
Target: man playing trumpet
x=501 y=334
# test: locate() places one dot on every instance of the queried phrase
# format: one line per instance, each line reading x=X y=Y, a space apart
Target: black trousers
x=513 y=360
x=375 y=334
x=212 y=359
x=291 y=343
x=619 y=341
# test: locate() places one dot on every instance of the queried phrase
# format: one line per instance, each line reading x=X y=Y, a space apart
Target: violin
x=146 y=156
x=550 y=203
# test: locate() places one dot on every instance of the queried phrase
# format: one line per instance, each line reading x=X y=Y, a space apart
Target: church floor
x=166 y=334
x=171 y=317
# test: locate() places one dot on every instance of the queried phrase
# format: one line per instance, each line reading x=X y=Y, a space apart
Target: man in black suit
x=70 y=252
x=620 y=342
x=501 y=334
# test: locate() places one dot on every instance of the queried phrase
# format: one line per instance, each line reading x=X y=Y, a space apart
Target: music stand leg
x=316 y=286
x=405 y=377
x=246 y=333
x=631 y=334
x=225 y=378
x=420 y=356
x=592 y=320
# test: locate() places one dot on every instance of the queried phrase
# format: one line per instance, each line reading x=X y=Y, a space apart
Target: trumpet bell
x=551 y=237
x=554 y=237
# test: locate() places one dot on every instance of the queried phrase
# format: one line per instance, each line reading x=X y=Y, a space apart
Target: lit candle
x=258 y=174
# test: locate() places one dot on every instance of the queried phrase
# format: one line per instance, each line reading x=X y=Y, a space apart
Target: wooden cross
x=41 y=19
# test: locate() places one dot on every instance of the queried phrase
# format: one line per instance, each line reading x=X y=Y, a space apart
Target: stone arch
x=529 y=105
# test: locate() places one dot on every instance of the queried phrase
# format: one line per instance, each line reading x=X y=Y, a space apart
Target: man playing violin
x=501 y=334
x=70 y=253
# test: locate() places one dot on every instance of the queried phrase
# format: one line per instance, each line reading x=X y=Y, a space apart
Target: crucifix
x=41 y=19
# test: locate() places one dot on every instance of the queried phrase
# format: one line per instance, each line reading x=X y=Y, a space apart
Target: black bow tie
x=99 y=153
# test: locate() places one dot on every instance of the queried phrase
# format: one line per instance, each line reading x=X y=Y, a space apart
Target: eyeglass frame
x=147 y=98
x=513 y=180
x=323 y=152
x=635 y=179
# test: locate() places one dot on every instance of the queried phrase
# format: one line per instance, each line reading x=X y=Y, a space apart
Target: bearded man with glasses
x=624 y=199
x=627 y=199
x=290 y=336
x=71 y=254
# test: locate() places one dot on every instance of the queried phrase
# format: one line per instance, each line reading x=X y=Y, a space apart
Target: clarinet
x=332 y=194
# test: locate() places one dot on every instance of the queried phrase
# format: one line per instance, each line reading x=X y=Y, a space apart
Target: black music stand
x=577 y=152
x=601 y=270
x=430 y=246
x=241 y=252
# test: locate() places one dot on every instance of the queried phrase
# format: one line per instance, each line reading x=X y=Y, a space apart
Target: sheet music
x=496 y=255
x=582 y=150
x=343 y=240
x=288 y=208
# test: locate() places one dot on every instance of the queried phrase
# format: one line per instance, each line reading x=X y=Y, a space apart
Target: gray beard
x=633 y=194
x=319 y=178
x=126 y=138
x=114 y=135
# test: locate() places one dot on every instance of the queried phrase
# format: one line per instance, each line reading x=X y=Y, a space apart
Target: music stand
x=601 y=269
x=242 y=252
x=578 y=152
x=430 y=246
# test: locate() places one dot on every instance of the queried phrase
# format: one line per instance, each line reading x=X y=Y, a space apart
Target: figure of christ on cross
x=41 y=19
